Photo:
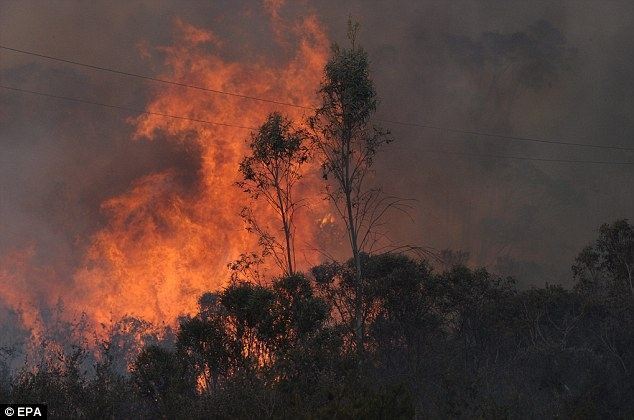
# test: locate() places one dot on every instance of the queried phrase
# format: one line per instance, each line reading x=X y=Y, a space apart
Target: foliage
x=458 y=343
x=272 y=171
x=347 y=144
x=606 y=267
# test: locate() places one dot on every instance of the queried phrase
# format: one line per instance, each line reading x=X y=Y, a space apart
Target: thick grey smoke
x=560 y=71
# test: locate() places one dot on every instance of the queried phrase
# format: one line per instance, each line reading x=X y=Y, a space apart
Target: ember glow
x=164 y=243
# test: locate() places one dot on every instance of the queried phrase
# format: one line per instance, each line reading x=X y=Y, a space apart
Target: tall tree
x=607 y=265
x=272 y=170
x=347 y=144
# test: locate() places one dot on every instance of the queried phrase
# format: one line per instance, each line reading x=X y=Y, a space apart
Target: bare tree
x=347 y=144
x=271 y=171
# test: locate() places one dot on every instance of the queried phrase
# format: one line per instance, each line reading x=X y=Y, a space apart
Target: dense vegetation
x=458 y=343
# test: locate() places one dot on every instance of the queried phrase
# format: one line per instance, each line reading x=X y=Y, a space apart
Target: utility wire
x=502 y=136
x=180 y=117
x=600 y=162
x=155 y=79
x=272 y=101
x=140 y=111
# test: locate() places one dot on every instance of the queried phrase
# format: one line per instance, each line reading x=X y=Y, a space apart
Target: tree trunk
x=287 y=231
x=358 y=299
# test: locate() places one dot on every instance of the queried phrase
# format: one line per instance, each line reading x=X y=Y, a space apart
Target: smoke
x=72 y=173
x=545 y=71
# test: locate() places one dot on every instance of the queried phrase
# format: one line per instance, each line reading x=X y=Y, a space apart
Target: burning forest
x=297 y=209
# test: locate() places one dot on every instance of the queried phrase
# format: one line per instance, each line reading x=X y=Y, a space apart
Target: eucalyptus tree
x=347 y=142
x=272 y=171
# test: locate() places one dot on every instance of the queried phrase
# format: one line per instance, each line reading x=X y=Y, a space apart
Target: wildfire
x=15 y=268
x=164 y=244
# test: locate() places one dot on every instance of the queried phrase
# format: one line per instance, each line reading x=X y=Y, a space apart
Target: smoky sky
x=554 y=70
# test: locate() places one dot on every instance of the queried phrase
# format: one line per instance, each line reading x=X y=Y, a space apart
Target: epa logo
x=15 y=410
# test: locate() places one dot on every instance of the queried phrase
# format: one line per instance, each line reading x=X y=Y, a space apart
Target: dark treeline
x=382 y=335
x=458 y=343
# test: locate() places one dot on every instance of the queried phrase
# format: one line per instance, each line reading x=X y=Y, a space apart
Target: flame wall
x=166 y=240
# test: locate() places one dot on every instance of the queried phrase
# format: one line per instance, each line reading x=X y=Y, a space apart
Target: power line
x=502 y=136
x=140 y=111
x=276 y=102
x=600 y=162
x=180 y=117
x=155 y=79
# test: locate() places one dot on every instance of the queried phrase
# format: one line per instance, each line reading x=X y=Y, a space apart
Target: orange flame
x=163 y=246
